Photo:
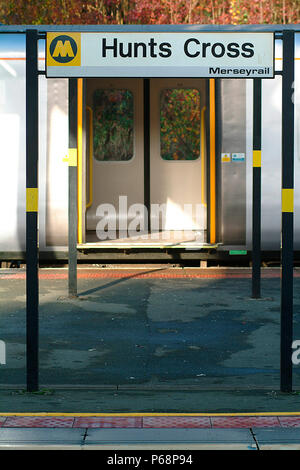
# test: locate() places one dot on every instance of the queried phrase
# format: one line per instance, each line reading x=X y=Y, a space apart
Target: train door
x=177 y=158
x=115 y=143
x=115 y=112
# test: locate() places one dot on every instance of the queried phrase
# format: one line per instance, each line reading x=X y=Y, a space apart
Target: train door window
x=178 y=156
x=180 y=124
x=113 y=125
x=117 y=167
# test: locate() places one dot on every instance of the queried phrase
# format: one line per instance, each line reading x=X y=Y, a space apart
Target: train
x=172 y=182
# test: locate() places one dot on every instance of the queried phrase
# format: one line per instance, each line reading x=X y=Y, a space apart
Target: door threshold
x=128 y=245
x=174 y=239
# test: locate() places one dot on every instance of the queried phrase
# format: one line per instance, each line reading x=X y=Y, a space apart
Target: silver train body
x=173 y=183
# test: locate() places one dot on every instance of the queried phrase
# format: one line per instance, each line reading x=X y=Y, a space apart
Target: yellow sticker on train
x=226 y=157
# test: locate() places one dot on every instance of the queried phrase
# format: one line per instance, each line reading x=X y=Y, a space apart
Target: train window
x=180 y=124
x=113 y=125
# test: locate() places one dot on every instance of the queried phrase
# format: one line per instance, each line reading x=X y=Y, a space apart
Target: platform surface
x=172 y=433
x=148 y=340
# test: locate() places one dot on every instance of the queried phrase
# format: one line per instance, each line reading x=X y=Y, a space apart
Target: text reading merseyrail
x=240 y=71
x=192 y=48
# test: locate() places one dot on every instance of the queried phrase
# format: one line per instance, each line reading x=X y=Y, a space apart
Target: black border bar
x=256 y=196
x=287 y=214
x=32 y=260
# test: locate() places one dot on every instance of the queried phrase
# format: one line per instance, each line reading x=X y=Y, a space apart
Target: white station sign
x=146 y=54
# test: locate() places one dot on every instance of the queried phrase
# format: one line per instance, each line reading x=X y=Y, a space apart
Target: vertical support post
x=147 y=150
x=32 y=146
x=256 y=198
x=287 y=213
x=72 y=214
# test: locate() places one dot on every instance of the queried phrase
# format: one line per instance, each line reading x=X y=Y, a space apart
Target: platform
x=148 y=340
x=165 y=433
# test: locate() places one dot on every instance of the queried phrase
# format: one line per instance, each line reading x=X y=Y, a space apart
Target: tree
x=149 y=11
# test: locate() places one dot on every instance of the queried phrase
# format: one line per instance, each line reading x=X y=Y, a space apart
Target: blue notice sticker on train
x=237 y=157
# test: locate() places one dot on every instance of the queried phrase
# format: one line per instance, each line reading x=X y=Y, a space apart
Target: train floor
x=148 y=340
x=174 y=238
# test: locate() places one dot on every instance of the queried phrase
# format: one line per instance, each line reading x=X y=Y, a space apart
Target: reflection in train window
x=113 y=125
x=180 y=124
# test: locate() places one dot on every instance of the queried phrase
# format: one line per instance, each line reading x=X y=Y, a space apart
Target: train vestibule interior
x=143 y=161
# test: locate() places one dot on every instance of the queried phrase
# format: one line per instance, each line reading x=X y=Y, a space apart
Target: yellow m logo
x=63 y=49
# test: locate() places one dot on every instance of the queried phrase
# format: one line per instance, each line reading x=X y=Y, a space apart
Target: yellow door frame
x=212 y=159
x=80 y=156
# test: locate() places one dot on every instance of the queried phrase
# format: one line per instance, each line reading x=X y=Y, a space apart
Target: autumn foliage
x=149 y=11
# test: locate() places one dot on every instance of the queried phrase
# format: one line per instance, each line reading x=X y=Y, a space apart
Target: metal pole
x=32 y=145
x=72 y=278
x=287 y=214
x=256 y=198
